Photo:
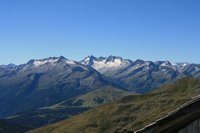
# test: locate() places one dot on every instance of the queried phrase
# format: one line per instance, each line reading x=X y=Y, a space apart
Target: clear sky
x=144 y=29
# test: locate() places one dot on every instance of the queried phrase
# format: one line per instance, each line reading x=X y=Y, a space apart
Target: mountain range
x=45 y=82
x=137 y=76
x=141 y=76
x=48 y=90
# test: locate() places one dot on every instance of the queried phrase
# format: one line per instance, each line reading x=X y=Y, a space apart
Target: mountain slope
x=8 y=66
x=45 y=82
x=141 y=76
x=39 y=117
x=8 y=128
x=131 y=112
x=96 y=98
x=48 y=115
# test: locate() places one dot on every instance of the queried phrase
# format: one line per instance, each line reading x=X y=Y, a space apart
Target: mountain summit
x=105 y=64
x=51 y=61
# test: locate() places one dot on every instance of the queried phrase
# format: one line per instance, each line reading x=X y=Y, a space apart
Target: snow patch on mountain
x=11 y=65
x=103 y=64
x=42 y=62
x=51 y=61
x=70 y=62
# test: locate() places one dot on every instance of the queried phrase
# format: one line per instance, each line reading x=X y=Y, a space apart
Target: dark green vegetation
x=5 y=127
x=129 y=113
x=44 y=116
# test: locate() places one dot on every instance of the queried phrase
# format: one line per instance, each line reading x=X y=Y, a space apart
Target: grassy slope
x=48 y=115
x=96 y=98
x=131 y=112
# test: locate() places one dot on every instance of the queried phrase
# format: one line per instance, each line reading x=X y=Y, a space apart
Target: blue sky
x=144 y=29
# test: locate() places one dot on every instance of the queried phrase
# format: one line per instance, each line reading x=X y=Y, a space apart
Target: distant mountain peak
x=102 y=64
x=182 y=64
x=40 y=62
x=51 y=60
x=164 y=64
x=11 y=65
x=139 y=61
x=88 y=60
x=112 y=58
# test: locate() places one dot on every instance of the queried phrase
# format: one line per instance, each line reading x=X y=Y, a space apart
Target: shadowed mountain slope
x=47 y=115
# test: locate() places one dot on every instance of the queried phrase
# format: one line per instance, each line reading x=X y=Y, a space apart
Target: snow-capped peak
x=183 y=64
x=114 y=58
x=89 y=60
x=50 y=60
x=11 y=65
x=42 y=62
x=105 y=63
x=163 y=63
x=166 y=64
